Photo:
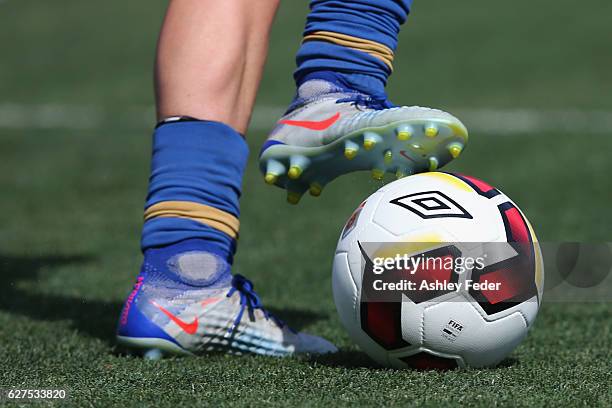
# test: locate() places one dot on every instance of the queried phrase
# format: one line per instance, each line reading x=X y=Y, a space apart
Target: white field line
x=491 y=121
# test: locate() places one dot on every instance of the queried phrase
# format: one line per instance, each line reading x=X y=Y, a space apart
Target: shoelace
x=377 y=101
x=248 y=300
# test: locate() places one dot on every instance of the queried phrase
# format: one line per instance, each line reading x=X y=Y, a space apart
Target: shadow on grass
x=95 y=318
x=351 y=359
x=506 y=363
x=297 y=318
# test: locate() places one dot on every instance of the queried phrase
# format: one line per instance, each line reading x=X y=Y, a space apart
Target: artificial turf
x=71 y=209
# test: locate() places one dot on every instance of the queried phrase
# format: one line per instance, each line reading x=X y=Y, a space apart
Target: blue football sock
x=192 y=202
x=353 y=39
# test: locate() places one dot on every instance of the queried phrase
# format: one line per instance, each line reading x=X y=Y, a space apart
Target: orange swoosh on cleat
x=189 y=328
x=312 y=125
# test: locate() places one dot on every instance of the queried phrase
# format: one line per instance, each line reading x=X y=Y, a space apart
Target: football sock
x=355 y=40
x=192 y=209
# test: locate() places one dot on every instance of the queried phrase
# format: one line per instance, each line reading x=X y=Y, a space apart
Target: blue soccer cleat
x=179 y=309
x=330 y=130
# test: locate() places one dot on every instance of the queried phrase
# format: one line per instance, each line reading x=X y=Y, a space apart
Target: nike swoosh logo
x=403 y=153
x=189 y=328
x=313 y=125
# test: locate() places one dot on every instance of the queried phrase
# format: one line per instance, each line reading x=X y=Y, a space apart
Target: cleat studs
x=271 y=178
x=315 y=189
x=388 y=157
x=370 y=139
x=293 y=197
x=350 y=149
x=350 y=153
x=378 y=174
x=403 y=136
x=455 y=149
x=431 y=131
x=153 y=354
x=433 y=164
x=297 y=166
x=295 y=172
x=404 y=133
x=400 y=174
x=274 y=169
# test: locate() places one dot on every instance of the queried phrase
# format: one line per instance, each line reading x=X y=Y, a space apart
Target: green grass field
x=71 y=206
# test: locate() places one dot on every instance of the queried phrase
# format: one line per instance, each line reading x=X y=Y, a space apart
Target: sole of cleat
x=400 y=148
x=151 y=348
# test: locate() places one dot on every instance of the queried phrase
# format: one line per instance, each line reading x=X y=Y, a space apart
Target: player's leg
x=185 y=300
x=210 y=59
x=341 y=120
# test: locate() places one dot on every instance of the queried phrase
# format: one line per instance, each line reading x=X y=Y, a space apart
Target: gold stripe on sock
x=202 y=213
x=373 y=48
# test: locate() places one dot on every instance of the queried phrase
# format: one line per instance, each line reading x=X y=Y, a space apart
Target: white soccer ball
x=475 y=291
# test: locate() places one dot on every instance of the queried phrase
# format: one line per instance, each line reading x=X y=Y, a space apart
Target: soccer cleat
x=388 y=157
x=378 y=174
x=273 y=170
x=293 y=197
x=433 y=164
x=350 y=149
x=370 y=140
x=455 y=149
x=404 y=132
x=166 y=314
x=330 y=130
x=431 y=131
x=271 y=178
x=315 y=189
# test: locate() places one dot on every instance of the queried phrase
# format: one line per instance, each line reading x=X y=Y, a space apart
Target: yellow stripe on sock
x=373 y=48
x=207 y=215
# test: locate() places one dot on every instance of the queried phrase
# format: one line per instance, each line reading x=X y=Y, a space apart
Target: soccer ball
x=438 y=270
